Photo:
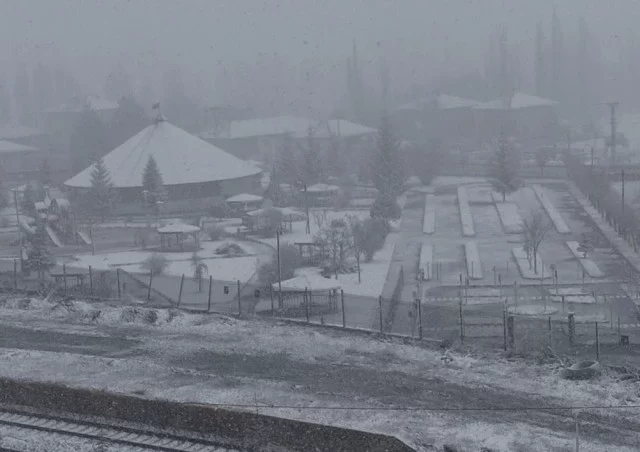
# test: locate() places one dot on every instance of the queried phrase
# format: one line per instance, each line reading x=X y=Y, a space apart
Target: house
x=194 y=172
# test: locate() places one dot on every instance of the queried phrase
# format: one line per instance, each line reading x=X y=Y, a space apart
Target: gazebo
x=180 y=230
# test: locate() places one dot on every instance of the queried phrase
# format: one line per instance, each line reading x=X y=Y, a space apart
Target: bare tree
x=534 y=230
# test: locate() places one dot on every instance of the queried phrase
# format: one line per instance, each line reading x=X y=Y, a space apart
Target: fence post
x=118 y=278
x=64 y=277
x=271 y=298
x=150 y=282
x=209 y=296
x=15 y=274
x=419 y=318
x=504 y=327
x=90 y=281
x=239 y=303
x=572 y=327
x=344 y=317
x=549 y=323
x=461 y=320
x=180 y=290
x=511 y=333
x=306 y=303
x=380 y=309
x=597 y=343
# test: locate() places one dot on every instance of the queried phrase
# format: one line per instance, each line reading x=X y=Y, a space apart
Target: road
x=193 y=359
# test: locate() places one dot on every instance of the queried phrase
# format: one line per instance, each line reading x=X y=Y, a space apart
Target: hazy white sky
x=200 y=35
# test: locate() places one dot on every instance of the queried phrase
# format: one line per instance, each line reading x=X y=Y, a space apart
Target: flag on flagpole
x=155 y=106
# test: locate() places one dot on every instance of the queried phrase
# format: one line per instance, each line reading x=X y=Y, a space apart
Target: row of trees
x=101 y=197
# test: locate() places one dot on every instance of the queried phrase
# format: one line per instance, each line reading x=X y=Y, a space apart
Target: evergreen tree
x=22 y=95
x=285 y=166
x=28 y=201
x=540 y=75
x=101 y=196
x=89 y=141
x=387 y=171
x=42 y=87
x=5 y=102
x=312 y=171
x=127 y=120
x=152 y=185
x=39 y=258
x=503 y=174
x=44 y=178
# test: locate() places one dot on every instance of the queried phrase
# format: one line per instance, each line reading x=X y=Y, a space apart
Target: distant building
x=194 y=172
x=19 y=163
x=262 y=138
x=530 y=119
x=440 y=116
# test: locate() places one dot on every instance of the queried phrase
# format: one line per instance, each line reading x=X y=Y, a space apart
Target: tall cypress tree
x=101 y=196
x=152 y=185
x=504 y=170
x=388 y=174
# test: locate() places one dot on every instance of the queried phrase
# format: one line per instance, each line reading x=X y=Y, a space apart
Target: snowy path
x=429 y=221
x=526 y=270
x=551 y=210
x=474 y=266
x=465 y=213
x=587 y=264
x=509 y=217
x=221 y=360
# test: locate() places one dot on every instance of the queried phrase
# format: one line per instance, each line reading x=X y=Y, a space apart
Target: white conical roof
x=181 y=157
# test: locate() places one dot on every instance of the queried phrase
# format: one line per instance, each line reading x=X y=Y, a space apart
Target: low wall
x=243 y=429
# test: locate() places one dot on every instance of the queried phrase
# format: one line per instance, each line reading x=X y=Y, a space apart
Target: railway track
x=126 y=436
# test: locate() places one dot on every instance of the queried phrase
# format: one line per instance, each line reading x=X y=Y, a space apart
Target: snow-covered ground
x=551 y=210
x=510 y=217
x=302 y=373
x=590 y=267
x=465 y=213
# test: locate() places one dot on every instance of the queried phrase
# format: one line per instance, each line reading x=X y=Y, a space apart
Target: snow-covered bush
x=290 y=261
x=156 y=264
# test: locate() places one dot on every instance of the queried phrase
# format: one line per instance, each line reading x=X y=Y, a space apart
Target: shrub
x=290 y=261
x=215 y=233
x=385 y=206
x=219 y=209
x=156 y=264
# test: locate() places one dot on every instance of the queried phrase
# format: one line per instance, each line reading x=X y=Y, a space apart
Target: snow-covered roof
x=181 y=157
x=322 y=188
x=295 y=126
x=95 y=103
x=15 y=131
x=517 y=101
x=9 y=146
x=308 y=282
x=440 y=101
x=176 y=228
x=245 y=197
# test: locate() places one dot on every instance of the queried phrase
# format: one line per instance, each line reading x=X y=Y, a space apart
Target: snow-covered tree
x=534 y=230
x=385 y=206
x=388 y=174
x=585 y=246
x=89 y=141
x=127 y=120
x=152 y=185
x=22 y=95
x=28 y=201
x=100 y=198
x=5 y=102
x=200 y=269
x=285 y=167
x=503 y=174
x=312 y=170
x=39 y=258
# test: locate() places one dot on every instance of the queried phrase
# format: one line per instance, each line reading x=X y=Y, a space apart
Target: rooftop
x=15 y=131
x=9 y=146
x=297 y=127
x=517 y=101
x=181 y=157
x=440 y=101
x=95 y=103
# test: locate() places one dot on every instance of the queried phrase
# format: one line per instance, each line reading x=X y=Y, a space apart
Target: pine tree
x=540 y=75
x=311 y=164
x=285 y=163
x=101 y=196
x=127 y=120
x=28 y=200
x=388 y=174
x=22 y=95
x=152 y=185
x=5 y=102
x=39 y=258
x=504 y=170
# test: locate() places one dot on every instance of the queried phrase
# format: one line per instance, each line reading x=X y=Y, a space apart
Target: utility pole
x=622 y=192
x=612 y=106
x=279 y=268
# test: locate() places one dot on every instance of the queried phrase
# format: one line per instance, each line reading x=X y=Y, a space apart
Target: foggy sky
x=434 y=36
